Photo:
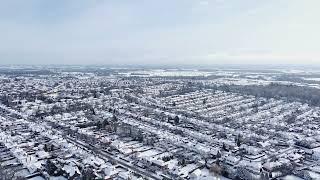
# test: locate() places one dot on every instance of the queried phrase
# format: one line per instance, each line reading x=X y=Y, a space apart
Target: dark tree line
x=303 y=94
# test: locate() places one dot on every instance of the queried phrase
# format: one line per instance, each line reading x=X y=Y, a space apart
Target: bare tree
x=216 y=170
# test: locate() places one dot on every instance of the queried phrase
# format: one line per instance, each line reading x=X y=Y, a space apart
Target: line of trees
x=302 y=94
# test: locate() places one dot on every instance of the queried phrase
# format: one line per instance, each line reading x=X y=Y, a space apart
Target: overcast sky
x=159 y=31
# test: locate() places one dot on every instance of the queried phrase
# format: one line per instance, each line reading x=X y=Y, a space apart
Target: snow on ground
x=312 y=79
x=291 y=177
x=148 y=153
x=37 y=178
x=172 y=163
x=187 y=169
x=165 y=73
x=58 y=178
